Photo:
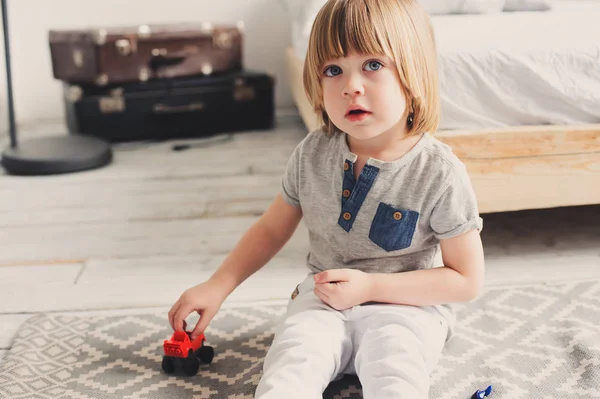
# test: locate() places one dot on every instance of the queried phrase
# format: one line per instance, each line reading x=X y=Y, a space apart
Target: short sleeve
x=291 y=178
x=456 y=211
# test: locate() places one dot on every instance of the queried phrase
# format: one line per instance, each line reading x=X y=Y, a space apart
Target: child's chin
x=362 y=132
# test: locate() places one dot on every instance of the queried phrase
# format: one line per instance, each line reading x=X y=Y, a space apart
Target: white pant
x=391 y=348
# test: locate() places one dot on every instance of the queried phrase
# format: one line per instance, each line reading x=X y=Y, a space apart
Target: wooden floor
x=137 y=233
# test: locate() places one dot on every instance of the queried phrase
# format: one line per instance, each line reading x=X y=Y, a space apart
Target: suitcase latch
x=223 y=40
x=123 y=47
x=207 y=69
x=74 y=94
x=113 y=103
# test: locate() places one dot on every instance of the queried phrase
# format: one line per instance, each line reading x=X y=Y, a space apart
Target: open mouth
x=357 y=114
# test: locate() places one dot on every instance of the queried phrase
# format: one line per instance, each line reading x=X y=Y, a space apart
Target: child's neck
x=386 y=147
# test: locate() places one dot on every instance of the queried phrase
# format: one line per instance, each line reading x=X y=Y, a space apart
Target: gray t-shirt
x=391 y=218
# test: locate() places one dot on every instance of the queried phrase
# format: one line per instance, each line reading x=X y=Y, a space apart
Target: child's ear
x=414 y=111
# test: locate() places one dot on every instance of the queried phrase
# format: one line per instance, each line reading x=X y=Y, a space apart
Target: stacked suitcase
x=159 y=82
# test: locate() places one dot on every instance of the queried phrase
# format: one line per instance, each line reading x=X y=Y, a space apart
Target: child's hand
x=343 y=288
x=205 y=298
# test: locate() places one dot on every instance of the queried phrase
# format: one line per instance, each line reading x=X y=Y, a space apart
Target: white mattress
x=523 y=68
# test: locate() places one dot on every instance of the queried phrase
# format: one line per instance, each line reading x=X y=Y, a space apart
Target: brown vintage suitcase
x=128 y=54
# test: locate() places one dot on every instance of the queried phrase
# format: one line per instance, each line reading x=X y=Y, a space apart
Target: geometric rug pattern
x=539 y=341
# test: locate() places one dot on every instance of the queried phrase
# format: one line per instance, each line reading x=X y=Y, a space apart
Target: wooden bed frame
x=516 y=168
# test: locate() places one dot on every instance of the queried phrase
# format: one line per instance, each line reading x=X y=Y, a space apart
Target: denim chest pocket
x=393 y=228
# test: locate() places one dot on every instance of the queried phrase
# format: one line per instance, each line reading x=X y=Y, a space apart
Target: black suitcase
x=158 y=109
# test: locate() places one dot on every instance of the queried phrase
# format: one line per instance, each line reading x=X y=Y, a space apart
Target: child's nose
x=353 y=87
x=352 y=93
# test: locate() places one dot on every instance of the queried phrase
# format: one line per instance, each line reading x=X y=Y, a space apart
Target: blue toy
x=481 y=394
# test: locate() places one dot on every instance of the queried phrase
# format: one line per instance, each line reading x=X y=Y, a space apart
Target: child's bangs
x=350 y=29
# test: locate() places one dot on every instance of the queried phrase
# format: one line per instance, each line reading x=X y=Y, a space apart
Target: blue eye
x=373 y=65
x=332 y=70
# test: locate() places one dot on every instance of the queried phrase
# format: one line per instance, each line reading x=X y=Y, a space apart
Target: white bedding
x=521 y=68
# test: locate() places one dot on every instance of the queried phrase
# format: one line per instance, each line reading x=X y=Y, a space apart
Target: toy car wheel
x=206 y=354
x=191 y=364
x=167 y=365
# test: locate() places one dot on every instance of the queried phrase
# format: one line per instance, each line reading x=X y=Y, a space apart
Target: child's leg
x=310 y=349
x=396 y=349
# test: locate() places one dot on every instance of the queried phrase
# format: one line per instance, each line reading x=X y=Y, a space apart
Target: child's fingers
x=180 y=316
x=332 y=276
x=329 y=287
x=205 y=318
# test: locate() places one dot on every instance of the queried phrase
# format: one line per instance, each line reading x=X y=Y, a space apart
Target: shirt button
x=347 y=216
x=346 y=193
x=397 y=215
x=346 y=166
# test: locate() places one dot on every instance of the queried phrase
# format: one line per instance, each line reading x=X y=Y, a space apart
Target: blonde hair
x=399 y=29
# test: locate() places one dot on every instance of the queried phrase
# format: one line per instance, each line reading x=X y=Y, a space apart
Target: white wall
x=38 y=95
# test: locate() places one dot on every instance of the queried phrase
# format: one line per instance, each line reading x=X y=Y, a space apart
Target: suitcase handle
x=165 y=61
x=176 y=109
x=160 y=57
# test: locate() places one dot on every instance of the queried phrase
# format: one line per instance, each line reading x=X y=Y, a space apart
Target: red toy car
x=189 y=352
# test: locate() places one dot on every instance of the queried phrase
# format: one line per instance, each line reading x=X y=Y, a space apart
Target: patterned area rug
x=538 y=341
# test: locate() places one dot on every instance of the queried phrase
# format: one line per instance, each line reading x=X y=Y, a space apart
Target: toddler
x=380 y=197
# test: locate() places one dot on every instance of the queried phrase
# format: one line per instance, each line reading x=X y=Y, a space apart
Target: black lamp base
x=56 y=155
